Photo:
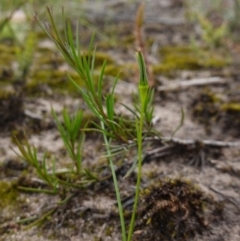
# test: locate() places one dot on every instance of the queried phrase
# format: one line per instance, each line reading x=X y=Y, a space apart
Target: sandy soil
x=91 y=214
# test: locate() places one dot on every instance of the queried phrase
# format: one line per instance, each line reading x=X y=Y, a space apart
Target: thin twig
x=212 y=143
x=230 y=199
x=194 y=82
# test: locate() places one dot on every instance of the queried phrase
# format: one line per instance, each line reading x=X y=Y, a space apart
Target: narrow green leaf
x=142 y=68
x=131 y=110
x=115 y=84
x=90 y=48
x=91 y=174
x=110 y=106
x=132 y=168
x=180 y=124
x=37 y=190
x=100 y=83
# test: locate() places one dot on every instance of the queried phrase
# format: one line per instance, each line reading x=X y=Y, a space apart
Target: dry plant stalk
x=140 y=41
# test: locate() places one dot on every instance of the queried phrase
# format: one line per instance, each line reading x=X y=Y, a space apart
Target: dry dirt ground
x=191 y=182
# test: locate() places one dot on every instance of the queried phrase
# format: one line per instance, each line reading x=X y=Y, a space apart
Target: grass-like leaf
x=72 y=136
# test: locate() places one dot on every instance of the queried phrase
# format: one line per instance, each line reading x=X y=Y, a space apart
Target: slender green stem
x=41 y=219
x=115 y=182
x=143 y=91
x=139 y=175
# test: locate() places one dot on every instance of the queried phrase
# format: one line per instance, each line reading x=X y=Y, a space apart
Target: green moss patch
x=116 y=70
x=8 y=194
x=231 y=107
x=53 y=79
x=100 y=57
x=58 y=80
x=187 y=58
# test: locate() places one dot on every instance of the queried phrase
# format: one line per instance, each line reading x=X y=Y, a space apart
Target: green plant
x=211 y=35
x=6 y=13
x=71 y=137
x=228 y=11
x=113 y=127
x=22 y=34
x=145 y=96
x=213 y=18
x=29 y=154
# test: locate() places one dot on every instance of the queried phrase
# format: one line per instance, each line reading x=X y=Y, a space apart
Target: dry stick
x=193 y=82
x=158 y=152
x=140 y=42
x=212 y=143
x=168 y=143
